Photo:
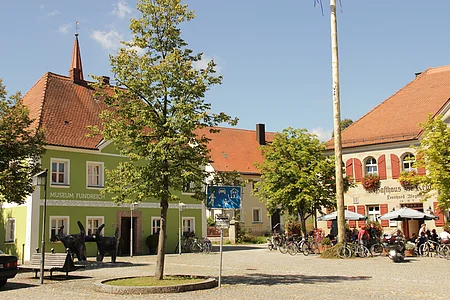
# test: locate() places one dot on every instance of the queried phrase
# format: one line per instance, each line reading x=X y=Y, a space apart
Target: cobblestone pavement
x=254 y=272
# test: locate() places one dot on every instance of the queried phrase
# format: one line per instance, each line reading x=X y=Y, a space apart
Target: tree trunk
x=337 y=125
x=159 y=270
x=303 y=223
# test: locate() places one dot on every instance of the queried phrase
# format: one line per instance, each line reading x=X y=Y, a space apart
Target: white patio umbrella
x=407 y=213
x=349 y=215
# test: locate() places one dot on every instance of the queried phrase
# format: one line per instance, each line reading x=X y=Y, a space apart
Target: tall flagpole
x=337 y=124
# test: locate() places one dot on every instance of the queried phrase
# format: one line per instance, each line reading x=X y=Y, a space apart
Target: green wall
x=20 y=214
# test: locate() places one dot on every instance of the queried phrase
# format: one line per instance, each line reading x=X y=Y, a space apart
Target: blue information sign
x=227 y=197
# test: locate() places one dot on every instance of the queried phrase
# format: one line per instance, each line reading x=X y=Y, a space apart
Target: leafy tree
x=155 y=112
x=345 y=123
x=21 y=148
x=296 y=176
x=434 y=156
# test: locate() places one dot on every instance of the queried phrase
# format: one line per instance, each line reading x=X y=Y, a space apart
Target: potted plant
x=409 y=249
x=371 y=182
x=407 y=179
x=324 y=244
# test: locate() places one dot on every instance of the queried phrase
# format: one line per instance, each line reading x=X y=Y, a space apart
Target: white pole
x=179 y=228
x=131 y=231
x=220 y=264
x=337 y=124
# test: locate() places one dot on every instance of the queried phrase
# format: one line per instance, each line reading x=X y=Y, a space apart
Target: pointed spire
x=76 y=68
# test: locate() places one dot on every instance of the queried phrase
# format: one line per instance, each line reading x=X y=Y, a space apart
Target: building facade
x=381 y=143
x=64 y=106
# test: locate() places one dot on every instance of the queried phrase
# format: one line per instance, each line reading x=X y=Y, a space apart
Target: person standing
x=423 y=228
x=363 y=236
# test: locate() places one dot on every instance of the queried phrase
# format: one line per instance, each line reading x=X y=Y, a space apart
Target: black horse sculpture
x=74 y=242
x=107 y=244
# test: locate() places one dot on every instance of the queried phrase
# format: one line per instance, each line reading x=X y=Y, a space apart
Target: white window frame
x=100 y=219
x=409 y=162
x=101 y=175
x=373 y=214
x=10 y=236
x=56 y=218
x=190 y=190
x=259 y=214
x=66 y=183
x=153 y=227
x=372 y=163
x=184 y=226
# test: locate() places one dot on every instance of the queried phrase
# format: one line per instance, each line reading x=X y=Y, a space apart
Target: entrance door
x=275 y=221
x=125 y=236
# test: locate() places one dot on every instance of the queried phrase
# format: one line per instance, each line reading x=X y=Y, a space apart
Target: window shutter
x=420 y=171
x=328 y=211
x=358 y=169
x=349 y=167
x=382 y=166
x=351 y=224
x=384 y=210
x=395 y=165
x=361 y=210
x=438 y=213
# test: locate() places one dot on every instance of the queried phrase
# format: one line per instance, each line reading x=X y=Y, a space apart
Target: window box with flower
x=408 y=179
x=371 y=182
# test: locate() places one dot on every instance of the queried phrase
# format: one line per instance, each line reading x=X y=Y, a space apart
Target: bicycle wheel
x=443 y=251
x=423 y=250
x=363 y=251
x=344 y=252
x=306 y=248
x=314 y=248
x=292 y=249
x=376 y=250
x=196 y=247
x=283 y=247
x=207 y=246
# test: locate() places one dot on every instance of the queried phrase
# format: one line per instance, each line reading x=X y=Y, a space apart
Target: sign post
x=222 y=221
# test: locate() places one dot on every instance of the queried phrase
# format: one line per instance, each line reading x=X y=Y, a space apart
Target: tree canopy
x=155 y=111
x=21 y=148
x=296 y=176
x=434 y=156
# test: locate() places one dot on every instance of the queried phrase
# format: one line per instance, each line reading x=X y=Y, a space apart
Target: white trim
x=7 y=230
x=55 y=217
x=259 y=214
x=188 y=218
x=102 y=175
x=85 y=203
x=151 y=223
x=66 y=161
x=102 y=218
x=77 y=150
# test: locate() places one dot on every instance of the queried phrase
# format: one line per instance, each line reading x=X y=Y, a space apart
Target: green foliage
x=371 y=182
x=210 y=221
x=221 y=178
x=293 y=227
x=434 y=156
x=346 y=123
x=408 y=179
x=296 y=176
x=155 y=111
x=21 y=148
x=325 y=241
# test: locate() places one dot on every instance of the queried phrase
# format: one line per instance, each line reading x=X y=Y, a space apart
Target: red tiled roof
x=64 y=109
x=398 y=117
x=235 y=149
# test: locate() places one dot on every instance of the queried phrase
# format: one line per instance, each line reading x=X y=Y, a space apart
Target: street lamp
x=181 y=207
x=40 y=179
x=132 y=207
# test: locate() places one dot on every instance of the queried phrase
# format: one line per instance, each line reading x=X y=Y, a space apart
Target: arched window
x=407 y=162
x=371 y=166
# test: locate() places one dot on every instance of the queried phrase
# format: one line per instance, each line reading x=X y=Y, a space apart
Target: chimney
x=105 y=80
x=418 y=73
x=261 y=134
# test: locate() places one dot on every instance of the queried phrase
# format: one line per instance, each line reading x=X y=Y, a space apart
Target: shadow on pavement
x=270 y=279
x=16 y=286
x=216 y=248
x=89 y=265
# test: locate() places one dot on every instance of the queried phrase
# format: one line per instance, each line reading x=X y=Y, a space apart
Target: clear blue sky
x=275 y=56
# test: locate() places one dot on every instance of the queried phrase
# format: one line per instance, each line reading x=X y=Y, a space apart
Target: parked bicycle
x=347 y=250
x=203 y=245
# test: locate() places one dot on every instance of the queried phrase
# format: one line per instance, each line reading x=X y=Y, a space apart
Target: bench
x=60 y=262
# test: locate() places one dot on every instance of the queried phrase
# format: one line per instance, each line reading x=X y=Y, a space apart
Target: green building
x=64 y=106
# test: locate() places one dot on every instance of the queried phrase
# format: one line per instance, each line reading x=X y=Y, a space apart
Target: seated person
x=445 y=237
x=434 y=236
x=413 y=238
x=422 y=239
